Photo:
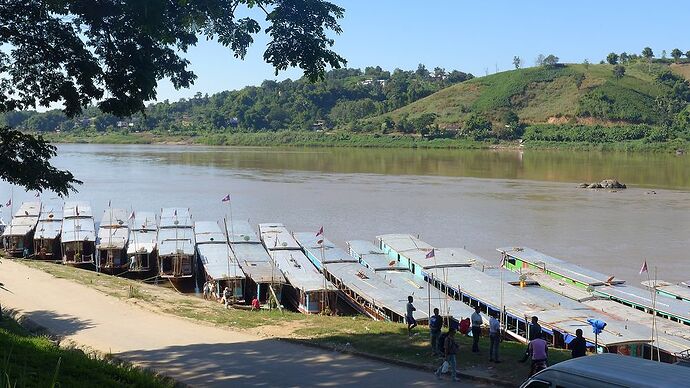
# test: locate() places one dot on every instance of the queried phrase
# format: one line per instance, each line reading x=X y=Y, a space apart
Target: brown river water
x=481 y=200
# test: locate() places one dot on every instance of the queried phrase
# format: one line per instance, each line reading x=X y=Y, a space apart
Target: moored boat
x=78 y=237
x=176 y=246
x=48 y=232
x=113 y=236
x=142 y=249
x=218 y=262
x=18 y=235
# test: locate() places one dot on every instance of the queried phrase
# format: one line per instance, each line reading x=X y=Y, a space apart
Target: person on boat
x=212 y=291
x=578 y=345
x=256 y=305
x=450 y=350
x=533 y=331
x=477 y=321
x=494 y=337
x=206 y=290
x=409 y=317
x=435 y=325
x=227 y=296
x=539 y=351
x=133 y=262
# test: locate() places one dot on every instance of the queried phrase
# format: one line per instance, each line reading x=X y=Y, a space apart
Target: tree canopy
x=114 y=53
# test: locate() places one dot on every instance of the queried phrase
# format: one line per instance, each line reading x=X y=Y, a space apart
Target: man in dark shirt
x=578 y=345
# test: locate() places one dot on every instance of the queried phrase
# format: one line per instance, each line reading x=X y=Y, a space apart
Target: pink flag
x=431 y=254
x=320 y=232
x=9 y=203
x=644 y=267
x=226 y=198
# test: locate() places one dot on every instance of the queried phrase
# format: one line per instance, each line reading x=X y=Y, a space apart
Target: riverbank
x=360 y=140
x=353 y=334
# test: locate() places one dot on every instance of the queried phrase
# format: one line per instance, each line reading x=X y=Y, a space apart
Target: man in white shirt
x=495 y=337
x=477 y=321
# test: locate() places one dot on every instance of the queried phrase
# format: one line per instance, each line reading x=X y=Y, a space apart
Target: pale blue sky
x=472 y=36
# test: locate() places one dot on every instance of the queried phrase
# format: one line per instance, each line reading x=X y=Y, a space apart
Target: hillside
x=568 y=93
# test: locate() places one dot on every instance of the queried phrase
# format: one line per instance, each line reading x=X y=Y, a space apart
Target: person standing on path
x=578 y=345
x=494 y=337
x=409 y=317
x=476 y=329
x=435 y=325
x=533 y=332
x=450 y=350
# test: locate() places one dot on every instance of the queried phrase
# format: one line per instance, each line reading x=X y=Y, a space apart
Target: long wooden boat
x=142 y=249
x=18 y=235
x=113 y=237
x=78 y=237
x=217 y=259
x=176 y=246
x=48 y=232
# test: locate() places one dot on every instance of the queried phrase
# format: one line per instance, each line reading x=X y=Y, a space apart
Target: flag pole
x=656 y=329
x=652 y=291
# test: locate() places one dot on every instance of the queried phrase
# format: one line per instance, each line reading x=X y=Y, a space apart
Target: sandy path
x=196 y=354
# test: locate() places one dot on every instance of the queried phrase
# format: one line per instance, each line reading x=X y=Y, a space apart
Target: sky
x=471 y=36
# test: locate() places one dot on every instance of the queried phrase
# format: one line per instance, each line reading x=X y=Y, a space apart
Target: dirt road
x=196 y=354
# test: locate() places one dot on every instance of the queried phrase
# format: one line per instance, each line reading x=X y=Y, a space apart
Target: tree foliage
x=550 y=60
x=618 y=71
x=676 y=54
x=648 y=53
x=612 y=59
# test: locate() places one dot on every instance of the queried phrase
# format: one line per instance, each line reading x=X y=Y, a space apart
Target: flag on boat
x=320 y=232
x=131 y=216
x=9 y=203
x=226 y=198
x=38 y=194
x=503 y=261
x=644 y=267
x=431 y=254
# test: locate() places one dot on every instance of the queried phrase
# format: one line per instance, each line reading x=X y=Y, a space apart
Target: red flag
x=431 y=254
x=320 y=232
x=644 y=267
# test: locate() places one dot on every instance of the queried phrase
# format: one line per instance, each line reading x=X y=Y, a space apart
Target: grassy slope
x=535 y=94
x=357 y=334
x=32 y=361
x=682 y=69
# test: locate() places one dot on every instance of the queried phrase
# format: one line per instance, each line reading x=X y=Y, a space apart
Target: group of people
x=226 y=297
x=444 y=344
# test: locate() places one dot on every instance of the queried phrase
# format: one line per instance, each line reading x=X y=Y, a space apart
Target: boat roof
x=173 y=241
x=20 y=226
x=78 y=229
x=674 y=337
x=562 y=268
x=276 y=237
x=113 y=217
x=144 y=221
x=208 y=232
x=71 y=208
x=404 y=242
x=219 y=262
x=327 y=252
x=141 y=241
x=299 y=271
x=51 y=212
x=625 y=371
x=676 y=290
x=412 y=285
x=251 y=253
x=417 y=250
x=173 y=217
x=373 y=257
x=262 y=271
x=240 y=231
x=48 y=230
x=28 y=209
x=642 y=297
x=112 y=238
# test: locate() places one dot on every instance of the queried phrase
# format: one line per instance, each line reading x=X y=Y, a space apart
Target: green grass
x=35 y=361
x=353 y=333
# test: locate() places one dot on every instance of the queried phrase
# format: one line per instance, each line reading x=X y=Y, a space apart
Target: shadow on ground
x=273 y=363
x=61 y=325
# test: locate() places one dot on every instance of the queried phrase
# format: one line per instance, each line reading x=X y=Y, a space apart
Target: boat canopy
x=114 y=218
x=112 y=238
x=175 y=217
x=326 y=252
x=74 y=209
x=299 y=271
x=208 y=232
x=219 y=262
x=276 y=237
x=240 y=231
x=144 y=221
x=48 y=230
x=78 y=229
x=373 y=257
x=28 y=209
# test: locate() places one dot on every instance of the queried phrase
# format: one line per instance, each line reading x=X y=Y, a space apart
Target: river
x=480 y=200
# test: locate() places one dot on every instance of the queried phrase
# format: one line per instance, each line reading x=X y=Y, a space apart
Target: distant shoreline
x=356 y=140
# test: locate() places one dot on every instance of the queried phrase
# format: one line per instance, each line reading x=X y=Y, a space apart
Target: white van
x=610 y=370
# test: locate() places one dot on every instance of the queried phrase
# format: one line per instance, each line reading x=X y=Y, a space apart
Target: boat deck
x=372 y=257
x=276 y=236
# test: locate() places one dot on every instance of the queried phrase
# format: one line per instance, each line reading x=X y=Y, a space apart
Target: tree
x=618 y=71
x=624 y=57
x=687 y=54
x=676 y=54
x=551 y=60
x=421 y=71
x=517 y=62
x=540 y=60
x=78 y=51
x=612 y=59
x=647 y=53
